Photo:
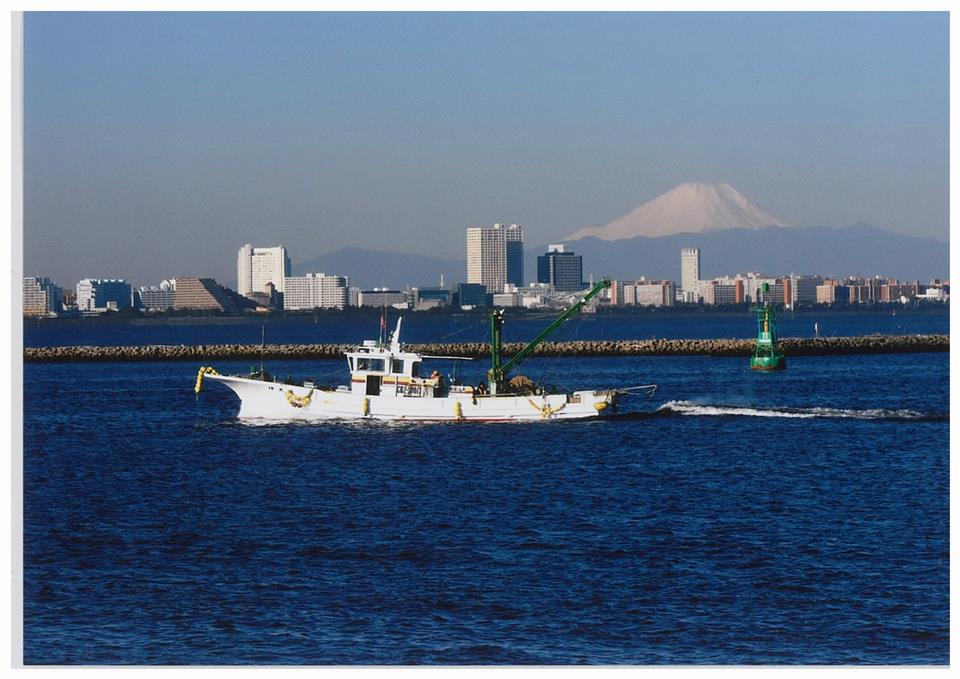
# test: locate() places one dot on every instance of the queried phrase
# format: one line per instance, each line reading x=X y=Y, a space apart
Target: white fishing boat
x=386 y=383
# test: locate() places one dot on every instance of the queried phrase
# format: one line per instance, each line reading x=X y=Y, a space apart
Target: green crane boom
x=497 y=374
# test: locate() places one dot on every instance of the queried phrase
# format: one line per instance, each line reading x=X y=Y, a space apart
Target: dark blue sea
x=736 y=518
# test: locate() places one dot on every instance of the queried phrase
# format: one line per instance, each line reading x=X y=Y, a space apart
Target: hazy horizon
x=156 y=144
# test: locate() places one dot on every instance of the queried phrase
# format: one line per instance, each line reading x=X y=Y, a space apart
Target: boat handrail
x=451 y=358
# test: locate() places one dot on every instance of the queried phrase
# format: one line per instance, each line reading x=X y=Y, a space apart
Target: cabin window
x=415 y=369
x=398 y=366
x=374 y=364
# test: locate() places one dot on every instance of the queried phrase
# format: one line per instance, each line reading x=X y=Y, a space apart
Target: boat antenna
x=263 y=337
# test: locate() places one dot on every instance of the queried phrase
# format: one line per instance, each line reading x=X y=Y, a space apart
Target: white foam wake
x=711 y=410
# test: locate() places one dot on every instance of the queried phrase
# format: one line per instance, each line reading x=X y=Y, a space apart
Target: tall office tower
x=495 y=256
x=561 y=269
x=689 y=269
x=258 y=266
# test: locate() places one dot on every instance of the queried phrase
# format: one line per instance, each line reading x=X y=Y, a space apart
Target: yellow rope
x=546 y=411
x=298 y=401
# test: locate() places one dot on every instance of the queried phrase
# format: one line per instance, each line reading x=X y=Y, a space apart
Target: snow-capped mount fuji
x=733 y=236
x=694 y=207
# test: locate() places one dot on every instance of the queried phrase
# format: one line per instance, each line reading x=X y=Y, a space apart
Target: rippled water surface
x=799 y=517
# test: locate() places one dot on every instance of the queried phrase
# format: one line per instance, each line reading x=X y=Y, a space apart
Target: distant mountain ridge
x=857 y=249
x=373 y=268
x=693 y=207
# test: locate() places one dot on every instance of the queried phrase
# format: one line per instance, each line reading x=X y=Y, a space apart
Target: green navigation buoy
x=767 y=354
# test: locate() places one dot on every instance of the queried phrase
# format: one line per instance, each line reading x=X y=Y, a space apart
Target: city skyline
x=266 y=264
x=174 y=133
x=494 y=266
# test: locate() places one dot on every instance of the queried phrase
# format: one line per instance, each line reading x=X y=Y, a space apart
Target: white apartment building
x=934 y=294
x=314 y=290
x=41 y=297
x=506 y=299
x=654 y=293
x=103 y=294
x=689 y=269
x=158 y=297
x=495 y=256
x=642 y=292
x=258 y=266
x=704 y=290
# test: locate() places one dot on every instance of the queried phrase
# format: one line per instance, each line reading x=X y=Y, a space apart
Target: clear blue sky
x=156 y=144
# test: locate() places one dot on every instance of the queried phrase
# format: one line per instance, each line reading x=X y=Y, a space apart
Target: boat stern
x=596 y=403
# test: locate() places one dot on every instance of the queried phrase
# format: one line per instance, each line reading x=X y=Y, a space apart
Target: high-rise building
x=689 y=269
x=316 y=290
x=41 y=297
x=561 y=269
x=258 y=266
x=102 y=294
x=495 y=256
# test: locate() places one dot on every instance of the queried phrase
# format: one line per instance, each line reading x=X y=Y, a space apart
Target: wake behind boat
x=386 y=384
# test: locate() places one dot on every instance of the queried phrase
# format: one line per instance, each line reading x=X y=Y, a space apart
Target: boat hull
x=276 y=401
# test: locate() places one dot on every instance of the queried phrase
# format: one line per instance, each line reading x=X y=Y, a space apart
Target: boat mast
x=497 y=374
x=263 y=339
x=496 y=329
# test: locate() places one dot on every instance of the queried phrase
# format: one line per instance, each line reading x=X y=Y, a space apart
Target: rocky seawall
x=867 y=344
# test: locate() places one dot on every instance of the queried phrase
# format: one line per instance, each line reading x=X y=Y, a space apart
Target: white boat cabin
x=376 y=370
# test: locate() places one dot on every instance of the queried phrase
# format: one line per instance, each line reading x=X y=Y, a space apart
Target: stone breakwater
x=867 y=344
